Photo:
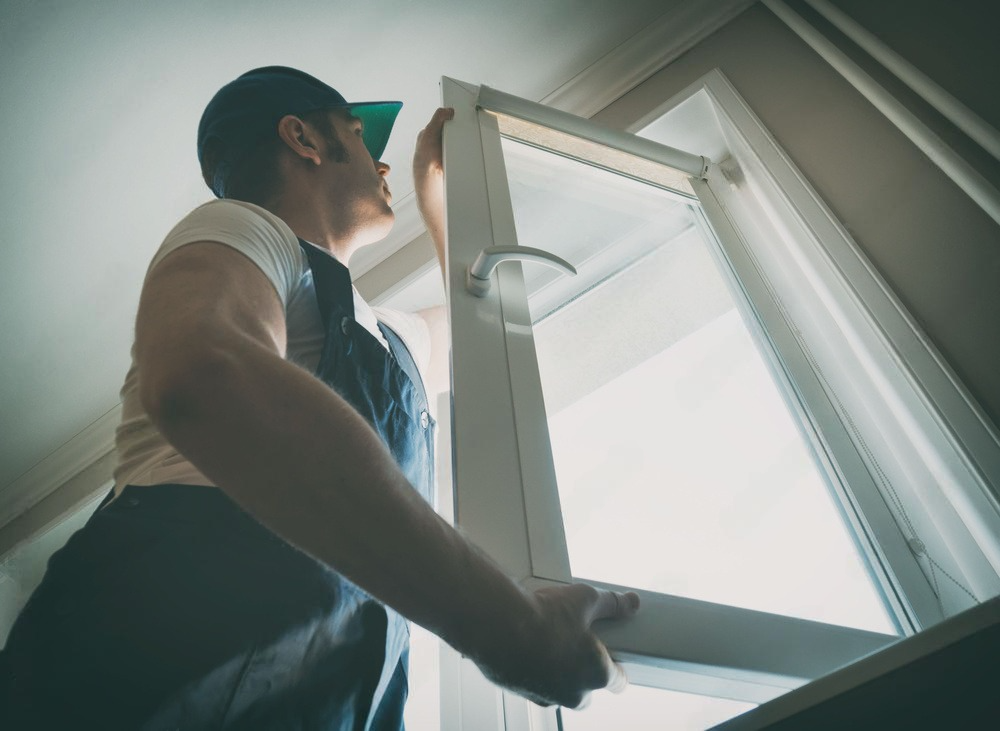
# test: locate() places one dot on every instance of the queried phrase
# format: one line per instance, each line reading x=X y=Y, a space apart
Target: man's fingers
x=618 y=681
x=442 y=115
x=427 y=154
x=614 y=605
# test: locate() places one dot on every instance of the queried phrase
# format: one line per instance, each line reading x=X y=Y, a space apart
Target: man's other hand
x=559 y=659
x=428 y=177
x=427 y=155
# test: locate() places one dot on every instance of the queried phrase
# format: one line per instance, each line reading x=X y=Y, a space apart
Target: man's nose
x=382 y=168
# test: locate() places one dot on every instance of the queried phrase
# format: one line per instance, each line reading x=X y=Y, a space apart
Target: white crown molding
x=81 y=491
x=94 y=442
x=642 y=55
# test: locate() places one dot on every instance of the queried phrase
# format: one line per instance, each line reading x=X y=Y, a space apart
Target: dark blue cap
x=247 y=110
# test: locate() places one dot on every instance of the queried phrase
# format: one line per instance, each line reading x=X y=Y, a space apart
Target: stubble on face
x=335 y=148
x=359 y=185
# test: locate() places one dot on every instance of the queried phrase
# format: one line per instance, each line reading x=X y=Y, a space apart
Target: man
x=270 y=524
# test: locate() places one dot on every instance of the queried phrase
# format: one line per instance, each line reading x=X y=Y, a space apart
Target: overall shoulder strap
x=331 y=280
x=405 y=360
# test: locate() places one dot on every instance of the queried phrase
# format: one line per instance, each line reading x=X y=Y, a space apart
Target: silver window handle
x=477 y=276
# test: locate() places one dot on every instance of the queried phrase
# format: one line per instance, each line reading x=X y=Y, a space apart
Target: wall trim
x=642 y=55
x=984 y=134
x=964 y=175
x=89 y=446
x=83 y=489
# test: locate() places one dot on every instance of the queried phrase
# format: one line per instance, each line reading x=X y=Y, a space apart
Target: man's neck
x=309 y=224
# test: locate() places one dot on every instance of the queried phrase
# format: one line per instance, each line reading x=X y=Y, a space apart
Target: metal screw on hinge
x=917 y=547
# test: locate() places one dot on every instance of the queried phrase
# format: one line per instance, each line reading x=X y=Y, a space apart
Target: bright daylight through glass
x=680 y=468
x=649 y=709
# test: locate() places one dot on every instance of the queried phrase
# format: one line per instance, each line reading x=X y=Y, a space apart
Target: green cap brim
x=378 y=118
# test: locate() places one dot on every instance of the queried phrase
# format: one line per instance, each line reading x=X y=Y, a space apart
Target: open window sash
x=507 y=499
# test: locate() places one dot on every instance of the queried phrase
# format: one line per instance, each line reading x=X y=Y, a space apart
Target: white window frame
x=506 y=499
x=815 y=285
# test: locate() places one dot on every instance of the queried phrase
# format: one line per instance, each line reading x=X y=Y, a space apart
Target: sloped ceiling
x=99 y=102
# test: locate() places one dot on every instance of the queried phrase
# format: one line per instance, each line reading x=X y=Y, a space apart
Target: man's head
x=239 y=142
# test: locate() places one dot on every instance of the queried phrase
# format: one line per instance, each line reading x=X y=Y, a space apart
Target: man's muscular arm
x=210 y=342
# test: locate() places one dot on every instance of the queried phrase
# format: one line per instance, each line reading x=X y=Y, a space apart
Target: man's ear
x=300 y=138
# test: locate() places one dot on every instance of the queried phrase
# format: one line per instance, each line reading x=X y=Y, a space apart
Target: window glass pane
x=423 y=703
x=646 y=709
x=680 y=468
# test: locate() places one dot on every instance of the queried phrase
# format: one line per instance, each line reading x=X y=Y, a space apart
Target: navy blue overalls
x=174 y=609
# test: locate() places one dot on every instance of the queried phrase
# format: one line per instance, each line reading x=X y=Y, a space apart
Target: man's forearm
x=430 y=203
x=298 y=458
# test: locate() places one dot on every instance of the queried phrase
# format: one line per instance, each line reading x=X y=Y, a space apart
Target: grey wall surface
x=936 y=248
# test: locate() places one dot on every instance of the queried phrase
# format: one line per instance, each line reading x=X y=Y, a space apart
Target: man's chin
x=380 y=226
x=390 y=221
